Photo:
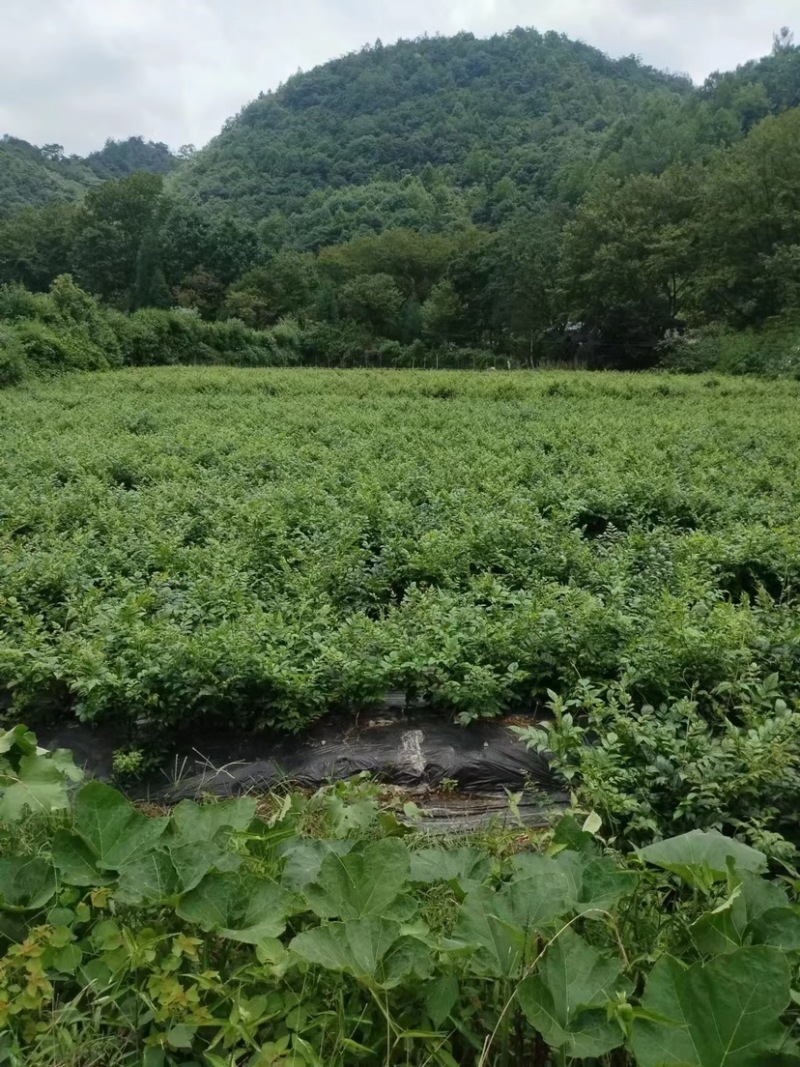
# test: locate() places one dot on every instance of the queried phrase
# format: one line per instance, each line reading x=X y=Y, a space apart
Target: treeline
x=713 y=246
x=673 y=236
x=67 y=329
x=484 y=125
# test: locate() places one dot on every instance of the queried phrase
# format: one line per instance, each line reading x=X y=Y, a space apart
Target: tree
x=373 y=300
x=783 y=41
x=287 y=285
x=629 y=263
x=114 y=220
x=442 y=312
x=37 y=245
x=415 y=261
x=202 y=290
x=749 y=212
x=522 y=289
x=54 y=153
x=150 y=287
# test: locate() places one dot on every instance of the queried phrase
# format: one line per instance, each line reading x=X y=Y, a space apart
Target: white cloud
x=78 y=71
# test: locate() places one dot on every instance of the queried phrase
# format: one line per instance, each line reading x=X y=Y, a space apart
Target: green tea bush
x=186 y=545
x=728 y=760
x=18 y=303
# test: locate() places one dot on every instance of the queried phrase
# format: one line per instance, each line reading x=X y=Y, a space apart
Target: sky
x=75 y=72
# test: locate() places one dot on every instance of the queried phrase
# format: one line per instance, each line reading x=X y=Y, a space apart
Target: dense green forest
x=31 y=176
x=523 y=196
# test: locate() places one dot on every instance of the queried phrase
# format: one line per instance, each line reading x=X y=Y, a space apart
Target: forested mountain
x=523 y=196
x=31 y=176
x=473 y=120
x=117 y=159
x=439 y=132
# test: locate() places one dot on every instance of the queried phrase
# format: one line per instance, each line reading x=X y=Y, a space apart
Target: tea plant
x=183 y=546
x=708 y=762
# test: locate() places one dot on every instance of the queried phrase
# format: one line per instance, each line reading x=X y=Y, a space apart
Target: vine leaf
x=467 y=867
x=26 y=883
x=76 y=862
x=499 y=928
x=726 y=1013
x=566 y=999
x=364 y=882
x=372 y=948
x=699 y=851
x=113 y=829
x=38 y=787
x=248 y=909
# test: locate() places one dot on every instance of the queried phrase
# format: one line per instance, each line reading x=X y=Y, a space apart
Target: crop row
x=263 y=547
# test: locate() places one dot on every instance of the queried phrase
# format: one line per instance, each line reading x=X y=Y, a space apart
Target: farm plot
x=264 y=547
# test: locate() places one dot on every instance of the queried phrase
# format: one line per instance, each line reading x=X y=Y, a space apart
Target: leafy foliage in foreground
x=327 y=932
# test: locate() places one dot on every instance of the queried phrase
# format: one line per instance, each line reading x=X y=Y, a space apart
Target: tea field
x=265 y=547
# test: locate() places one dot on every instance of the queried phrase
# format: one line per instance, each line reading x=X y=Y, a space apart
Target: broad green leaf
x=26 y=883
x=107 y=935
x=779 y=927
x=582 y=881
x=181 y=1035
x=115 y=831
x=19 y=737
x=466 y=866
x=356 y=946
x=408 y=957
x=197 y=838
x=96 y=975
x=500 y=927
x=304 y=859
x=703 y=850
x=440 y=997
x=364 y=882
x=566 y=999
x=370 y=948
x=193 y=863
x=75 y=861
x=726 y=1013
x=596 y=883
x=67 y=959
x=593 y=824
x=245 y=909
x=544 y=871
x=756 y=912
x=569 y=835
x=343 y=817
x=150 y=877
x=38 y=787
x=62 y=758
x=201 y=822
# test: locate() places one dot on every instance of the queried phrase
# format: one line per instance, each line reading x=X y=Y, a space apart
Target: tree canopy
x=523 y=195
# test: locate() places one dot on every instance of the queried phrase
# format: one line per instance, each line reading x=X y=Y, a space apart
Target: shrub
x=13 y=365
x=51 y=350
x=154 y=337
x=773 y=350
